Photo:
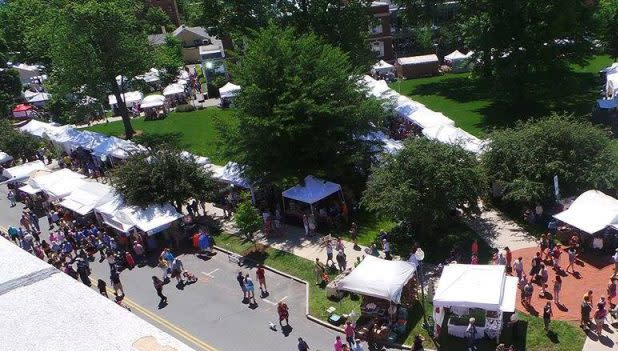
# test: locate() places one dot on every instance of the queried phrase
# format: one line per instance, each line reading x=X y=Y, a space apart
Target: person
x=557 y=288
x=116 y=284
x=599 y=318
x=158 y=285
x=250 y=288
x=547 y=314
x=508 y=255
x=338 y=346
x=374 y=251
x=306 y=224
x=341 y=260
x=139 y=251
x=387 y=249
x=349 y=333
x=418 y=343
x=353 y=234
x=241 y=281
x=535 y=265
x=102 y=287
x=471 y=334
x=260 y=274
x=544 y=277
x=615 y=259
x=34 y=220
x=12 y=198
x=556 y=252
x=167 y=256
x=318 y=269
x=129 y=260
x=474 y=248
x=611 y=290
x=302 y=345
x=474 y=259
x=357 y=346
x=83 y=269
x=586 y=308
x=165 y=269
x=177 y=268
x=572 y=253
x=501 y=260
x=518 y=266
x=283 y=312
x=329 y=253
x=528 y=291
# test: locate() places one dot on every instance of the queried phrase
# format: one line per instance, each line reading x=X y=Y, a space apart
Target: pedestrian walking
x=354 y=233
x=241 y=281
x=518 y=266
x=250 y=288
x=557 y=288
x=165 y=269
x=306 y=224
x=116 y=284
x=338 y=346
x=386 y=246
x=599 y=318
x=586 y=309
x=129 y=260
x=543 y=277
x=12 y=198
x=508 y=255
x=102 y=287
x=349 y=333
x=83 y=270
x=260 y=274
x=158 y=285
x=572 y=254
x=318 y=270
x=611 y=290
x=283 y=312
x=138 y=249
x=329 y=253
x=535 y=265
x=527 y=293
x=302 y=345
x=471 y=333
x=556 y=253
x=177 y=268
x=34 y=221
x=341 y=260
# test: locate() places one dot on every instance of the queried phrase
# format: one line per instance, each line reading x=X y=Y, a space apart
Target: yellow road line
x=181 y=332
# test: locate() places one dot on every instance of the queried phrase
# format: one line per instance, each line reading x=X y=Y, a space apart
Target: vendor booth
x=426 y=118
x=64 y=139
x=386 y=144
x=484 y=292
x=22 y=172
x=417 y=66
x=5 y=158
x=154 y=107
x=457 y=61
x=382 y=68
x=321 y=198
x=131 y=99
x=24 y=111
x=151 y=220
x=227 y=93
x=38 y=99
x=448 y=134
x=175 y=94
x=56 y=185
x=117 y=148
x=88 y=196
x=86 y=140
x=388 y=289
x=41 y=129
x=106 y=214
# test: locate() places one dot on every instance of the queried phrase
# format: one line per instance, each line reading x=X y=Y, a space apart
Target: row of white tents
x=434 y=125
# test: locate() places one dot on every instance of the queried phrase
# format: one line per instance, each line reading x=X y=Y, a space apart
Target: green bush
x=185 y=108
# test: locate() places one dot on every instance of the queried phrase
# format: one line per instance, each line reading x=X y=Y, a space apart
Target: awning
x=591 y=212
x=379 y=278
x=4 y=157
x=230 y=174
x=22 y=172
x=86 y=197
x=229 y=90
x=174 y=89
x=312 y=191
x=455 y=136
x=153 y=101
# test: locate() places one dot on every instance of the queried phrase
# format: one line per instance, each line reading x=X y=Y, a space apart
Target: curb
x=307 y=314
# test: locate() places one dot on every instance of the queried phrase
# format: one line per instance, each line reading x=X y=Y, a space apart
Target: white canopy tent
x=229 y=90
x=151 y=220
x=383 y=67
x=57 y=185
x=4 y=157
x=116 y=147
x=231 y=174
x=200 y=160
x=591 y=212
x=174 y=89
x=88 y=196
x=388 y=145
x=426 y=118
x=63 y=138
x=22 y=172
x=153 y=101
x=404 y=106
x=107 y=213
x=312 y=191
x=131 y=98
x=41 y=129
x=378 y=278
x=455 y=136
x=458 y=61
x=38 y=99
x=87 y=140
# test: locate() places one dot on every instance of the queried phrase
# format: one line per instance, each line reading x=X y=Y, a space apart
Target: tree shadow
x=553 y=337
x=170 y=140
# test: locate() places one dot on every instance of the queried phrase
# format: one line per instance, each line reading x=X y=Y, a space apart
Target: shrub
x=185 y=108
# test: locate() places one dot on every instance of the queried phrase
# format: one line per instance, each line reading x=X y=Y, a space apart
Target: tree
x=95 y=55
x=16 y=144
x=422 y=184
x=169 y=57
x=517 y=41
x=10 y=85
x=607 y=19
x=247 y=217
x=162 y=176
x=523 y=161
x=155 y=18
x=300 y=111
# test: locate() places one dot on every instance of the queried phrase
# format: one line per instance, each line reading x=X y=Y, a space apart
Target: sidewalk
x=499 y=231
x=607 y=341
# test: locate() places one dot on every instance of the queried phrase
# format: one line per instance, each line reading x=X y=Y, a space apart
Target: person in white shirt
x=615 y=257
x=387 y=249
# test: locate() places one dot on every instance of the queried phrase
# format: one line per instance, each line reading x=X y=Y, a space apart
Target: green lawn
x=476 y=108
x=196 y=129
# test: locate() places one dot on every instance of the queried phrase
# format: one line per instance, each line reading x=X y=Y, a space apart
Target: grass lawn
x=196 y=129
x=474 y=106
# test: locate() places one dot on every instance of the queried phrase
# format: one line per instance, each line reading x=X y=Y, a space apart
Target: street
x=209 y=314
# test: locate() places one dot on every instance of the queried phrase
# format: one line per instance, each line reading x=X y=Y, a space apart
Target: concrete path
x=607 y=341
x=499 y=231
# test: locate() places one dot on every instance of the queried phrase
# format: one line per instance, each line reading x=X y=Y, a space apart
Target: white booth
x=131 y=98
x=151 y=220
x=117 y=148
x=88 y=196
x=312 y=190
x=57 y=185
x=382 y=67
x=22 y=172
x=229 y=90
x=591 y=212
x=459 y=62
x=448 y=134
x=481 y=291
x=4 y=157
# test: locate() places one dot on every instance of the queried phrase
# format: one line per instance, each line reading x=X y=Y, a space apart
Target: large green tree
x=300 y=110
x=607 y=19
x=10 y=85
x=247 y=217
x=19 y=145
x=421 y=185
x=162 y=176
x=95 y=41
x=168 y=57
x=522 y=162
x=154 y=19
x=515 y=42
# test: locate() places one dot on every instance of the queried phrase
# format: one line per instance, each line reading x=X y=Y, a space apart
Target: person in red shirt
x=556 y=252
x=261 y=278
x=509 y=258
x=282 y=311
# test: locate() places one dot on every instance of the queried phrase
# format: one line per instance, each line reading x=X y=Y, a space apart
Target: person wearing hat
x=471 y=334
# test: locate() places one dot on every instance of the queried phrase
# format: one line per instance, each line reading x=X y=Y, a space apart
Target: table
x=460 y=330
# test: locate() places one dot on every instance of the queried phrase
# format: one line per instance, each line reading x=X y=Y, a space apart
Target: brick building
x=169 y=6
x=380 y=37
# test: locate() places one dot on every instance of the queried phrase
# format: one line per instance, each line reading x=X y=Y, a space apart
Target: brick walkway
x=594 y=273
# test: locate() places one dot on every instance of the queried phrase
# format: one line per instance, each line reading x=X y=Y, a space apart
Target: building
x=380 y=37
x=197 y=44
x=45 y=309
x=169 y=6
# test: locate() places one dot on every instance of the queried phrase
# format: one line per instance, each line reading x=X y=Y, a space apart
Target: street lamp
x=419 y=254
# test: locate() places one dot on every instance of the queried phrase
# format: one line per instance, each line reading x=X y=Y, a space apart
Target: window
x=378 y=48
x=376 y=26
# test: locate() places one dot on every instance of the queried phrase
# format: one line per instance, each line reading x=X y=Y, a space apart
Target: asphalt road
x=210 y=314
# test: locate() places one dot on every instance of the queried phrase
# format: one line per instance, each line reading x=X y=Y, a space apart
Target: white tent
x=64 y=138
x=88 y=196
x=229 y=90
x=404 y=106
x=41 y=129
x=56 y=185
x=476 y=286
x=151 y=101
x=231 y=174
x=382 y=67
x=455 y=55
x=131 y=98
x=454 y=136
x=174 y=89
x=591 y=212
x=200 y=160
x=4 y=157
x=38 y=99
x=378 y=278
x=23 y=171
x=87 y=140
x=108 y=212
x=426 y=118
x=388 y=145
x=116 y=147
x=152 y=220
x=458 y=61
x=312 y=191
